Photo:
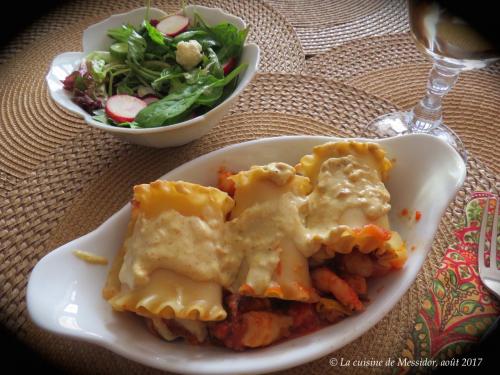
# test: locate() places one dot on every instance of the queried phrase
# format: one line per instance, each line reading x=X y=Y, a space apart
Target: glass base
x=395 y=124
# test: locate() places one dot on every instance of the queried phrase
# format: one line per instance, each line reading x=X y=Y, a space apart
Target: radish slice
x=173 y=25
x=124 y=108
x=229 y=65
x=150 y=98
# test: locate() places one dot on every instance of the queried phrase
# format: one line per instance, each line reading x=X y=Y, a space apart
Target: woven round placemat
x=32 y=126
x=90 y=177
x=323 y=24
x=281 y=48
x=393 y=68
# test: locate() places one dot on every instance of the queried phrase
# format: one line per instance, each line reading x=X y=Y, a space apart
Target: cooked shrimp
x=356 y=282
x=327 y=281
x=357 y=263
x=263 y=328
x=252 y=329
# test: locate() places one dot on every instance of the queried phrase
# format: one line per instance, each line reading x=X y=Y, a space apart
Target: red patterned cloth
x=458 y=309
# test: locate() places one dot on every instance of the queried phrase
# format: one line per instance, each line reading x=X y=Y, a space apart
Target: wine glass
x=454 y=46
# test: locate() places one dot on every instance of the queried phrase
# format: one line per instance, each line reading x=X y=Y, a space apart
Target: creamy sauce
x=278 y=173
x=187 y=245
x=277 y=221
x=348 y=193
x=260 y=233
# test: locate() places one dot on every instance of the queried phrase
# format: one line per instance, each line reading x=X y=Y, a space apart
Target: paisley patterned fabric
x=458 y=309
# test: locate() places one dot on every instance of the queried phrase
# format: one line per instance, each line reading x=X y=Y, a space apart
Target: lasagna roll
x=174 y=262
x=267 y=225
x=349 y=204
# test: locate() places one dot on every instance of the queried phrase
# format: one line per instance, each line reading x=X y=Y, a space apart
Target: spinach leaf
x=227 y=35
x=195 y=76
x=210 y=96
x=201 y=36
x=231 y=39
x=156 y=65
x=182 y=117
x=154 y=34
x=227 y=79
x=127 y=124
x=213 y=94
x=165 y=76
x=189 y=35
x=136 y=48
x=121 y=34
x=100 y=115
x=179 y=102
x=155 y=51
x=171 y=106
x=176 y=85
x=214 y=64
x=145 y=75
x=135 y=57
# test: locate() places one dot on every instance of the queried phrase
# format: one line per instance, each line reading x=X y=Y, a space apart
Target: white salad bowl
x=64 y=292
x=95 y=38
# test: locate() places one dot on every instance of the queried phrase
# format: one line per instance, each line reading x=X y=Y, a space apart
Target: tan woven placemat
x=323 y=24
x=90 y=177
x=282 y=50
x=32 y=126
x=391 y=67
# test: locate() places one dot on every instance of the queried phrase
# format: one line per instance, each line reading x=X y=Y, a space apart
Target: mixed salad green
x=161 y=73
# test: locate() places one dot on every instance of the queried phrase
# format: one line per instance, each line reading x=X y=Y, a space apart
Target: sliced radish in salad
x=173 y=25
x=229 y=65
x=150 y=98
x=124 y=108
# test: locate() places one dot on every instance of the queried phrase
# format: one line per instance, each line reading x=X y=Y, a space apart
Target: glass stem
x=427 y=114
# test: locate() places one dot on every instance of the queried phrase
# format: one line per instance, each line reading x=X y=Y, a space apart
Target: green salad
x=161 y=73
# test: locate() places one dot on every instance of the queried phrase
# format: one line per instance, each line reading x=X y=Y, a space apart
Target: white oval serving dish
x=64 y=293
